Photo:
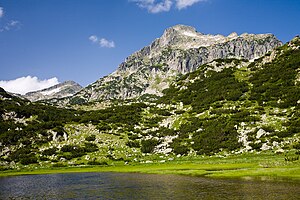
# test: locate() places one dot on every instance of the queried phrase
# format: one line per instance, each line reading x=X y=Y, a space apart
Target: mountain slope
x=61 y=90
x=240 y=105
x=180 y=50
x=225 y=107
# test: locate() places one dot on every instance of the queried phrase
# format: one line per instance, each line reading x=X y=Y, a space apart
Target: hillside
x=180 y=50
x=226 y=106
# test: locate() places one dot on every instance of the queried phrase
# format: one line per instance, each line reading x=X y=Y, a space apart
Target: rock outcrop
x=180 y=50
x=65 y=89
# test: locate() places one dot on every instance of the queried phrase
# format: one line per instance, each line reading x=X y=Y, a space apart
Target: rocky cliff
x=180 y=50
x=61 y=90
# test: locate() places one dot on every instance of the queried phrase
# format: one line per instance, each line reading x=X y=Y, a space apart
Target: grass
x=265 y=165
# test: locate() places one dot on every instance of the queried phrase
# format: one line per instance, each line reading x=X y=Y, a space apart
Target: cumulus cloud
x=154 y=6
x=26 y=84
x=93 y=38
x=1 y=12
x=180 y=4
x=157 y=6
x=102 y=42
x=105 y=43
x=11 y=25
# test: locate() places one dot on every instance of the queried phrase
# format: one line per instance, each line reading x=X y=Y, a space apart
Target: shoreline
x=253 y=166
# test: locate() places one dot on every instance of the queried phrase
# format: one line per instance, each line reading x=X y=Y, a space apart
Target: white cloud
x=154 y=6
x=105 y=43
x=1 y=12
x=11 y=25
x=180 y=4
x=93 y=38
x=102 y=42
x=8 y=24
x=157 y=6
x=27 y=84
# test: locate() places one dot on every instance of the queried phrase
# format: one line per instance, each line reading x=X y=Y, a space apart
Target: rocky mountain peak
x=180 y=50
x=186 y=37
x=179 y=30
x=61 y=90
x=173 y=35
x=233 y=35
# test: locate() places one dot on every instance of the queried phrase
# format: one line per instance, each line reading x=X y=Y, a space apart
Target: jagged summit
x=186 y=37
x=172 y=35
x=180 y=50
x=181 y=27
x=233 y=35
x=61 y=90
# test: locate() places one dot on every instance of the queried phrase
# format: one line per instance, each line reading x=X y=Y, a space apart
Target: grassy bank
x=236 y=166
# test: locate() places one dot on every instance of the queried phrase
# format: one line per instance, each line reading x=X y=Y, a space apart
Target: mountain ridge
x=181 y=49
x=61 y=90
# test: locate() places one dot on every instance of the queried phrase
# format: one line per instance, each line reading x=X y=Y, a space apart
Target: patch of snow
x=190 y=34
x=50 y=92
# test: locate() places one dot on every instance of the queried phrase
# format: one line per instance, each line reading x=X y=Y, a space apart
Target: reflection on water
x=141 y=186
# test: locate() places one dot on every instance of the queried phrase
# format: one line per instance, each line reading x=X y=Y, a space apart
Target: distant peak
x=233 y=35
x=64 y=89
x=178 y=34
x=69 y=82
x=180 y=27
x=181 y=30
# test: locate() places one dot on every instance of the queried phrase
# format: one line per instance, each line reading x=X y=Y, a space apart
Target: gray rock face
x=65 y=89
x=180 y=50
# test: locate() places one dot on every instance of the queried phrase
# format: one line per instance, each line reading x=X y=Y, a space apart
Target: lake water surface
x=141 y=186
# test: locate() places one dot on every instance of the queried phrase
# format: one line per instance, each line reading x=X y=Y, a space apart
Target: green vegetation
x=228 y=118
x=275 y=84
x=148 y=145
x=265 y=165
x=217 y=86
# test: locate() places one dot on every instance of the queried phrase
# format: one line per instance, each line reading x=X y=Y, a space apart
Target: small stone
x=279 y=151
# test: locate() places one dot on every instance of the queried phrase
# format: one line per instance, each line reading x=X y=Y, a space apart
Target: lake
x=141 y=186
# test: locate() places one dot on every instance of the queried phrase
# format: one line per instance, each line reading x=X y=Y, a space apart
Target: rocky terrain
x=61 y=90
x=180 y=50
x=223 y=107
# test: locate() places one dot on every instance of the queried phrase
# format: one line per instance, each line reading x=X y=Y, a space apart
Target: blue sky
x=83 y=40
